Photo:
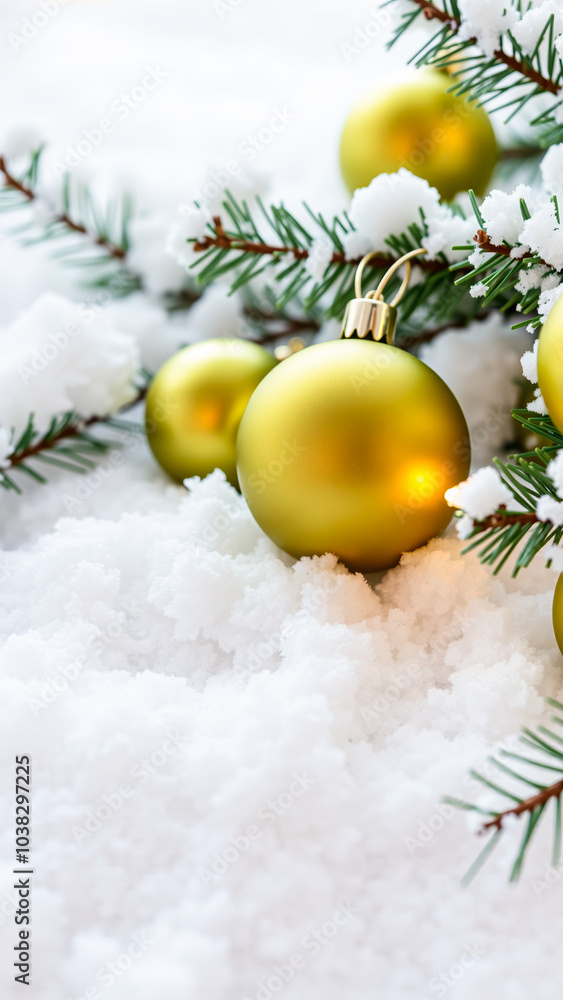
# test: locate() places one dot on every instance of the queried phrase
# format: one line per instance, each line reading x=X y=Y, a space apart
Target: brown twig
x=226 y=241
x=528 y=805
x=111 y=248
x=502 y=520
x=69 y=432
x=287 y=327
x=483 y=241
x=431 y=12
x=521 y=152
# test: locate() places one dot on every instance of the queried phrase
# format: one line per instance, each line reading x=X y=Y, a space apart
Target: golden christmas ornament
x=550 y=364
x=558 y=612
x=195 y=403
x=418 y=125
x=349 y=446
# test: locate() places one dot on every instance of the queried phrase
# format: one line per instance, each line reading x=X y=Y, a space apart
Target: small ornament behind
x=558 y=612
x=550 y=363
x=443 y=138
x=195 y=403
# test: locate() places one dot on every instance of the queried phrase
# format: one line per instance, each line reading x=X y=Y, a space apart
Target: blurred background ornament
x=419 y=125
x=195 y=404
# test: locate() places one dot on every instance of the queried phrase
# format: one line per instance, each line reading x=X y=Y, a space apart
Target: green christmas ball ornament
x=195 y=404
x=550 y=363
x=350 y=446
x=558 y=612
x=442 y=138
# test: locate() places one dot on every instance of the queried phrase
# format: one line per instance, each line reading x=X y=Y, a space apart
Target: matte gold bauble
x=195 y=404
x=349 y=446
x=418 y=125
x=550 y=364
x=558 y=612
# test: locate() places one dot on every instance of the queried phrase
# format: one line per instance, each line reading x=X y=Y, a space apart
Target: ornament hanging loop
x=370 y=317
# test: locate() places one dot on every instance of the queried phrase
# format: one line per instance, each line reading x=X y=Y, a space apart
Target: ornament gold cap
x=370 y=317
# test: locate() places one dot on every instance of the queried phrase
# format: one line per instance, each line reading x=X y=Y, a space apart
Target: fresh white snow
x=238 y=761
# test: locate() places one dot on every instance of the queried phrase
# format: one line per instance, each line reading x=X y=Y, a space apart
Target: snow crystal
x=531 y=277
x=529 y=28
x=552 y=170
x=320 y=254
x=549 y=509
x=543 y=234
x=478 y=289
x=529 y=362
x=148 y=256
x=502 y=216
x=555 y=554
x=216 y=314
x=60 y=356
x=537 y=405
x=482 y=494
x=480 y=365
x=464 y=526
x=486 y=20
x=555 y=472
x=548 y=299
x=392 y=202
x=356 y=244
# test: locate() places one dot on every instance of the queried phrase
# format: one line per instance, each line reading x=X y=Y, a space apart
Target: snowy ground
x=238 y=762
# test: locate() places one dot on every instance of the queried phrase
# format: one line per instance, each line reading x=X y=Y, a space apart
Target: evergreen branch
x=521 y=66
x=238 y=246
x=509 y=77
x=523 y=152
x=117 y=251
x=498 y=536
x=502 y=519
x=501 y=269
x=548 y=757
x=65 y=444
x=483 y=241
x=232 y=241
x=527 y=805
